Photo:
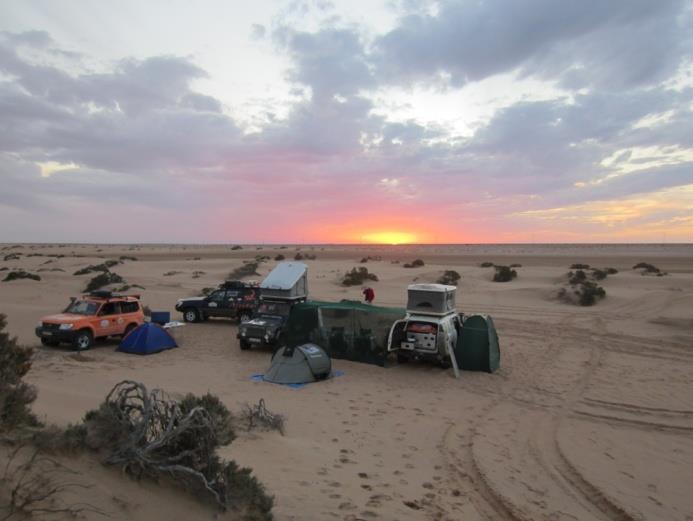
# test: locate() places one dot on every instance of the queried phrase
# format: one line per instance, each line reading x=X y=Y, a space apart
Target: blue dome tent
x=147 y=339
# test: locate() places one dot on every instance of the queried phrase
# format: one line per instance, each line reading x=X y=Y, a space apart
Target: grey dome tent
x=298 y=365
x=477 y=346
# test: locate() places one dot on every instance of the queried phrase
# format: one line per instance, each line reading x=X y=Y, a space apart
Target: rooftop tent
x=299 y=365
x=288 y=280
x=477 y=346
x=147 y=339
x=431 y=299
x=349 y=329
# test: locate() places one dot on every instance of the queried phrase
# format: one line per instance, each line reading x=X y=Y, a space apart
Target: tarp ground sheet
x=348 y=330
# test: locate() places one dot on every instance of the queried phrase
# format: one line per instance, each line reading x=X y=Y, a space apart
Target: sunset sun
x=390 y=237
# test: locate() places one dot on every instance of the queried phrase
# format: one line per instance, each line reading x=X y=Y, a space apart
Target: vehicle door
x=106 y=321
x=229 y=302
x=215 y=303
x=394 y=339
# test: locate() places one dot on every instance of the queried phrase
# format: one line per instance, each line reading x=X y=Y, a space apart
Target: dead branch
x=36 y=485
x=259 y=416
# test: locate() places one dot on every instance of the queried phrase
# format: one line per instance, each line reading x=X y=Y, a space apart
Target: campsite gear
x=477 y=347
x=431 y=299
x=286 y=285
x=348 y=329
x=147 y=339
x=287 y=281
x=95 y=315
x=369 y=295
x=160 y=317
x=430 y=329
x=298 y=365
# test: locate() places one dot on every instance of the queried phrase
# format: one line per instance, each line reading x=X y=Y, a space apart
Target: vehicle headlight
x=243 y=332
x=65 y=327
x=267 y=337
x=40 y=324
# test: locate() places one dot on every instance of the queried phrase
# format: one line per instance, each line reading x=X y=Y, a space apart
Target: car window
x=217 y=296
x=82 y=307
x=110 y=308
x=130 y=307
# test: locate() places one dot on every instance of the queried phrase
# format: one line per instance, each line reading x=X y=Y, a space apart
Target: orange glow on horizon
x=390 y=237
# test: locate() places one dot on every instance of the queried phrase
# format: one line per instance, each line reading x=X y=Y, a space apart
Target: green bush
x=515 y=265
x=414 y=264
x=236 y=247
x=127 y=257
x=504 y=274
x=20 y=274
x=486 y=264
x=103 y=279
x=358 y=276
x=611 y=271
x=279 y=257
x=449 y=277
x=578 y=266
x=16 y=396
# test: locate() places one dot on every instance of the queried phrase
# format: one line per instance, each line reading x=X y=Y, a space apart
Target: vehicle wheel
x=244 y=317
x=49 y=343
x=402 y=359
x=128 y=329
x=82 y=340
x=245 y=345
x=191 y=315
x=445 y=363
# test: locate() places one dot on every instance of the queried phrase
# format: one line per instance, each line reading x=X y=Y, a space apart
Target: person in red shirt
x=368 y=295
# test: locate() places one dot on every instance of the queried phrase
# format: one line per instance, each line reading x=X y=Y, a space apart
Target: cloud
x=615 y=44
x=139 y=138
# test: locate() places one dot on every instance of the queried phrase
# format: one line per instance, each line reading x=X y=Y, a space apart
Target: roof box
x=431 y=299
x=287 y=281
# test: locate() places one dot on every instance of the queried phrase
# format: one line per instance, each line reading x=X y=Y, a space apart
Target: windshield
x=281 y=309
x=82 y=307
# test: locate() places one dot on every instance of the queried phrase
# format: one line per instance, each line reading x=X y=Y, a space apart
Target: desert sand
x=589 y=417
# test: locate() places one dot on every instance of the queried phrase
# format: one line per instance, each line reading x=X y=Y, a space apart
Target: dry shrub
x=579 y=266
x=414 y=264
x=449 y=277
x=258 y=416
x=150 y=434
x=103 y=267
x=103 y=279
x=247 y=269
x=358 y=276
x=279 y=257
x=20 y=274
x=504 y=274
x=486 y=264
x=16 y=396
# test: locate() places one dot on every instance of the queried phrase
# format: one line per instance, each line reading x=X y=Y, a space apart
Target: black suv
x=267 y=325
x=232 y=299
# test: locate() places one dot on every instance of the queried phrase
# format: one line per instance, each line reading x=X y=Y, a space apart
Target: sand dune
x=590 y=416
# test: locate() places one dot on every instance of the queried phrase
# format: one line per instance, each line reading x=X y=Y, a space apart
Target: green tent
x=477 y=346
x=348 y=329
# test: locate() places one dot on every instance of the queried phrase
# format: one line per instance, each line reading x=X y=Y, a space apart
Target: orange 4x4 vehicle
x=96 y=315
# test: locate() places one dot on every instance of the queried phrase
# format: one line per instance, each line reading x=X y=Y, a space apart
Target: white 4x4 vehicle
x=430 y=328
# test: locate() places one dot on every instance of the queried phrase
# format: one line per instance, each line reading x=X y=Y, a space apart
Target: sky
x=322 y=121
